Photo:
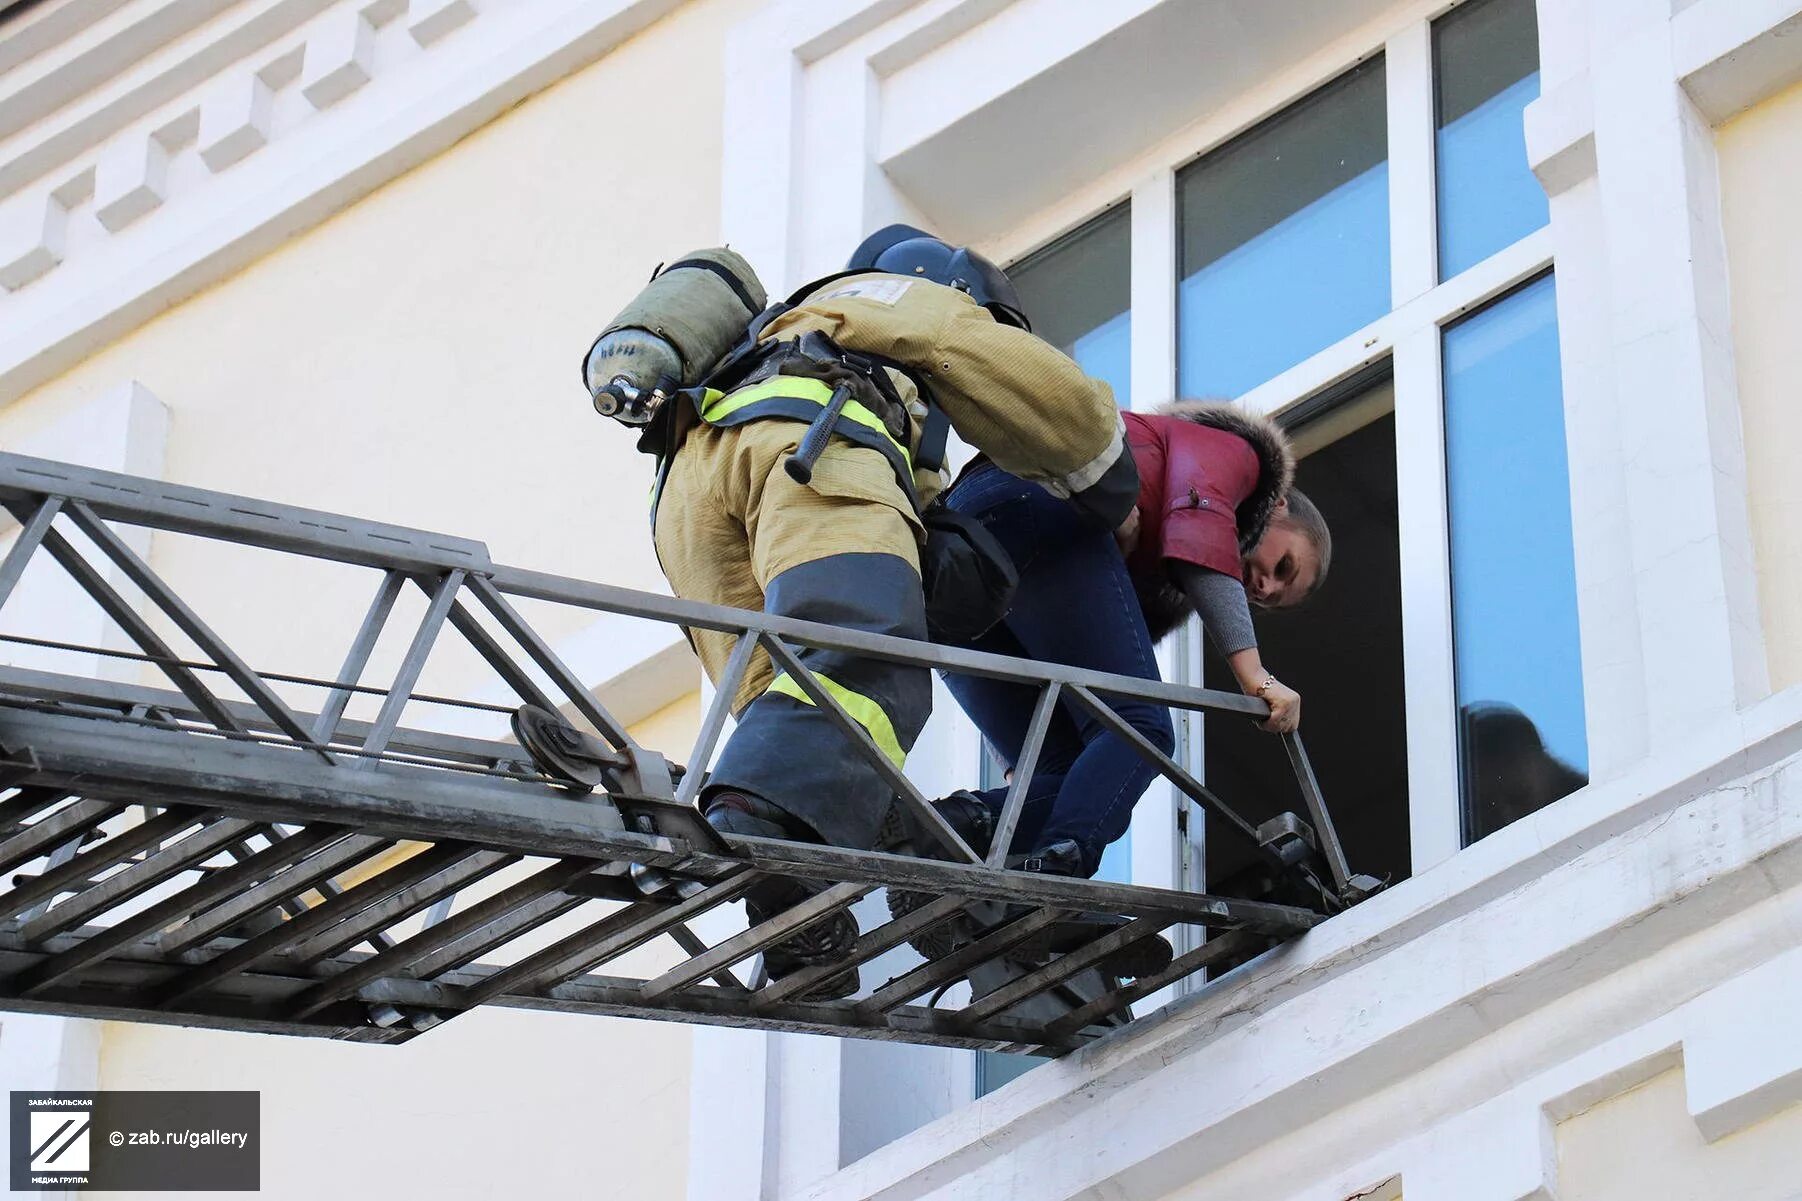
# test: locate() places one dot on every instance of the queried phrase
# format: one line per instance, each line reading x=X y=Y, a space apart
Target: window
x=1078 y=295
x=1514 y=591
x=1485 y=71
x=1427 y=427
x=1342 y=651
x=1283 y=238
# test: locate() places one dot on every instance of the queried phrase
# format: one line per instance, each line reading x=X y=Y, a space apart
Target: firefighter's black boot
x=825 y=941
x=974 y=822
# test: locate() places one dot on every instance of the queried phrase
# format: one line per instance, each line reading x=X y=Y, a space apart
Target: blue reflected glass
x=1283 y=238
x=1514 y=588
x=1485 y=71
x=1077 y=292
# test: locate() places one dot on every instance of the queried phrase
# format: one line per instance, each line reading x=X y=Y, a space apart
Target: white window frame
x=1409 y=337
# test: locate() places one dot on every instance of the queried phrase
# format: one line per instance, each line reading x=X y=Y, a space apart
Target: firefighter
x=796 y=477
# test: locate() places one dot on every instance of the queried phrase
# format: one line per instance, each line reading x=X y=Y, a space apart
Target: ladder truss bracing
x=197 y=845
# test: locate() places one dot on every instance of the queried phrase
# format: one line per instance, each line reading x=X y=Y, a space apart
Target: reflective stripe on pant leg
x=864 y=711
x=789 y=752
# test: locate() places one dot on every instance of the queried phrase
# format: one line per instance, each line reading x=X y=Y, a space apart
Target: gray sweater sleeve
x=1220 y=600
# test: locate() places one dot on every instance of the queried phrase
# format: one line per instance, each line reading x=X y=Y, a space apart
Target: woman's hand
x=1127 y=536
x=1285 y=708
x=1254 y=680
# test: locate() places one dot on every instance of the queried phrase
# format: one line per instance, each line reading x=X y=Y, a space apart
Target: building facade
x=1518 y=276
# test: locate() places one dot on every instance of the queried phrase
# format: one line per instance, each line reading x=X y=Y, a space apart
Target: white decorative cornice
x=150 y=147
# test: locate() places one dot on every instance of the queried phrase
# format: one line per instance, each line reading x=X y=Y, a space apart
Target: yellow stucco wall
x=1642 y=1145
x=1761 y=176
x=414 y=360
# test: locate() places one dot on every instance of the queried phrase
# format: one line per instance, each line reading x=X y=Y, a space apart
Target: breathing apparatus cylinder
x=672 y=333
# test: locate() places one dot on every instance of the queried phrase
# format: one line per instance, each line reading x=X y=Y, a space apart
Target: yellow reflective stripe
x=715 y=406
x=799 y=387
x=864 y=711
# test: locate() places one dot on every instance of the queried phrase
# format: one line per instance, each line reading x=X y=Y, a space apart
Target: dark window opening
x=1342 y=650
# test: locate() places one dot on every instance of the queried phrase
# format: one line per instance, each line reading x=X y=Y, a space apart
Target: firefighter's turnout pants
x=732 y=528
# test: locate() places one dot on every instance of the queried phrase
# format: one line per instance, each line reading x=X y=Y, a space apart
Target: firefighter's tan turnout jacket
x=1013 y=396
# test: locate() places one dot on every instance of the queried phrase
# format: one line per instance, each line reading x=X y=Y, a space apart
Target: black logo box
x=140 y=1161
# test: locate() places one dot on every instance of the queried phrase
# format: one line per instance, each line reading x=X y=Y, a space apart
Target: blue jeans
x=1075 y=606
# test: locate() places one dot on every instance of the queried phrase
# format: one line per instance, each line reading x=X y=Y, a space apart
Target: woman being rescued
x=1217 y=529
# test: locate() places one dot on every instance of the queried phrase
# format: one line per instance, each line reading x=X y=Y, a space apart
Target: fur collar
x=1165 y=605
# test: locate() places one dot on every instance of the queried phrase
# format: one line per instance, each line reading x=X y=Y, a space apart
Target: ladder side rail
x=606 y=598
x=181 y=509
x=54 y=686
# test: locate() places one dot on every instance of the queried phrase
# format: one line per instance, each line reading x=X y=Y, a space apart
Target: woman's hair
x=1302 y=516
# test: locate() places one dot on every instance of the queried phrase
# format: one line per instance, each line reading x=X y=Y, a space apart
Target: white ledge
x=1730 y=54
x=292 y=185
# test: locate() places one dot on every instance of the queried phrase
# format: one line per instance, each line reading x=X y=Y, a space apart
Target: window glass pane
x=1485 y=70
x=1283 y=238
x=1078 y=295
x=1514 y=588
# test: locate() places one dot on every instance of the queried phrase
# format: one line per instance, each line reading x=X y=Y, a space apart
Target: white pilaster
x=1671 y=370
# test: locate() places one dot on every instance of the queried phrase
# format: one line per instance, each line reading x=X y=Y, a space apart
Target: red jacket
x=1209 y=477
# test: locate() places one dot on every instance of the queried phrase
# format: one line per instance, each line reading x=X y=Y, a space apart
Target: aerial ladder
x=211 y=851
